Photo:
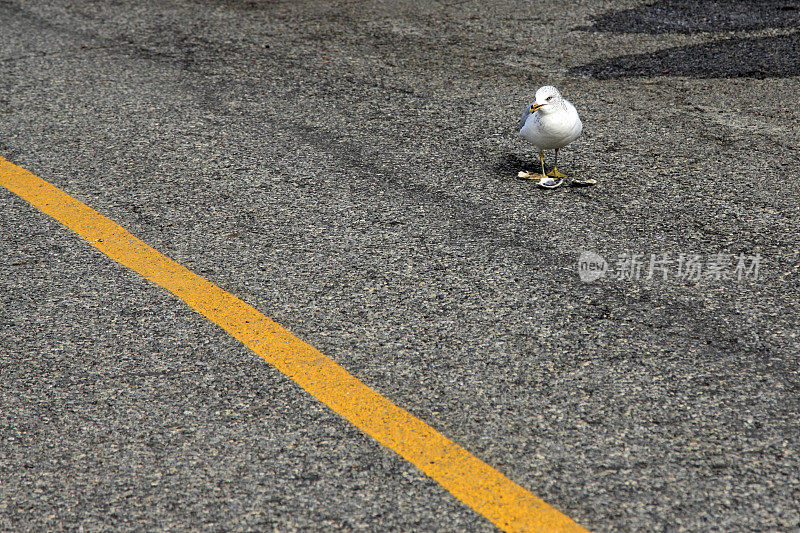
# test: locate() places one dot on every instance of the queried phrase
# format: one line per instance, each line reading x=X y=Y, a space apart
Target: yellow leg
x=541 y=161
x=528 y=176
x=555 y=173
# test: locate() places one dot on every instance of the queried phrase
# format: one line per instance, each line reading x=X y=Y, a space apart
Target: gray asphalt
x=350 y=169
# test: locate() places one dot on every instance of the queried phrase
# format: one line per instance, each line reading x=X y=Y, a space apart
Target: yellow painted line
x=487 y=491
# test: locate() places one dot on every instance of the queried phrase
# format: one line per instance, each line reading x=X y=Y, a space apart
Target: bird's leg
x=541 y=161
x=555 y=173
x=545 y=181
x=529 y=176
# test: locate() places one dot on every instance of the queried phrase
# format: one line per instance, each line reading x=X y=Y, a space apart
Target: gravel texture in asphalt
x=349 y=168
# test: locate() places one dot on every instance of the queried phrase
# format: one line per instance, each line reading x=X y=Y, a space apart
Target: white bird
x=550 y=122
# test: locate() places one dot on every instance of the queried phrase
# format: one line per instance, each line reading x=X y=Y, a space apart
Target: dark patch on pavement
x=743 y=57
x=688 y=16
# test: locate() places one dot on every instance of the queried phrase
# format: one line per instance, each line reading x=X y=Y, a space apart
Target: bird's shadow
x=508 y=166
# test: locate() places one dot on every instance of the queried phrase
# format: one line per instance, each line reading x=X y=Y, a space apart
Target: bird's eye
x=549 y=98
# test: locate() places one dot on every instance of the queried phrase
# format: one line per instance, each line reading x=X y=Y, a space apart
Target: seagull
x=550 y=122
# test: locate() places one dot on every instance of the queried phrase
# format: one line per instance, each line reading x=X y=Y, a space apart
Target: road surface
x=349 y=169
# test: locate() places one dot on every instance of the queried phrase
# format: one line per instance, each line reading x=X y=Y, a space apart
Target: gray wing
x=525 y=116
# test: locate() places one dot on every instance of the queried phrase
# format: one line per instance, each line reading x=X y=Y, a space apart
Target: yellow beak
x=534 y=107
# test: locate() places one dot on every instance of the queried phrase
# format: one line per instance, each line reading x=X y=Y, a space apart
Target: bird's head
x=547 y=99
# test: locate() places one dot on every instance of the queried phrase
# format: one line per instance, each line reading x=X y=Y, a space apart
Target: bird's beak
x=534 y=107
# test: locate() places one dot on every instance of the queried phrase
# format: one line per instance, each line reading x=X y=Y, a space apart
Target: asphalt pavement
x=349 y=169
